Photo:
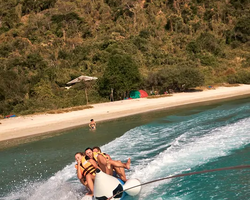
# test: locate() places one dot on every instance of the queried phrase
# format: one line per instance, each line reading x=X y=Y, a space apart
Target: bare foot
x=128 y=164
x=90 y=194
x=123 y=179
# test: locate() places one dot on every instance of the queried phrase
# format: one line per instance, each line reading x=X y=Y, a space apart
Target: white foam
x=195 y=151
x=151 y=156
x=63 y=185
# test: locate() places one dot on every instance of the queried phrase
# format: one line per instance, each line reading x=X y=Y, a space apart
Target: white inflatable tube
x=131 y=183
x=106 y=186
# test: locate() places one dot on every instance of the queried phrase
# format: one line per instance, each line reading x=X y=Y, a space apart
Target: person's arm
x=79 y=174
x=93 y=163
x=108 y=156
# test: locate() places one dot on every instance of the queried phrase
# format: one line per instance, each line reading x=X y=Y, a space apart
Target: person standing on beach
x=92 y=124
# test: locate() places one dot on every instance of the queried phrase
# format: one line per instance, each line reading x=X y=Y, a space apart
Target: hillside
x=127 y=44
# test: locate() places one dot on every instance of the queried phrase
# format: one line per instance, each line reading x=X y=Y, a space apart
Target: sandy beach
x=22 y=126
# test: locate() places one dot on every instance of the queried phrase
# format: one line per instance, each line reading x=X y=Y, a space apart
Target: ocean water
x=160 y=144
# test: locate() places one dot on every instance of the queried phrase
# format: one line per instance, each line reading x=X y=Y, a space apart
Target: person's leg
x=90 y=183
x=116 y=163
x=84 y=182
x=121 y=172
x=102 y=162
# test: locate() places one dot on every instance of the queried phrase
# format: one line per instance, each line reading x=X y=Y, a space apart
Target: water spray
x=182 y=175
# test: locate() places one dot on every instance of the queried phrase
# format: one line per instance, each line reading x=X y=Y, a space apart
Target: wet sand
x=23 y=126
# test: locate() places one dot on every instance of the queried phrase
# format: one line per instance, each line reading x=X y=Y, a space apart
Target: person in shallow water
x=92 y=124
x=116 y=170
x=85 y=171
x=106 y=164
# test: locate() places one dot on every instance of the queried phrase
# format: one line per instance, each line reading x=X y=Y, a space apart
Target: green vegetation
x=127 y=44
x=121 y=75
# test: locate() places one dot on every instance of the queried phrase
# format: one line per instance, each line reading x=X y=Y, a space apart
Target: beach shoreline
x=32 y=125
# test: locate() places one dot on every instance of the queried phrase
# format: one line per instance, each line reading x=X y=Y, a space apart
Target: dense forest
x=128 y=44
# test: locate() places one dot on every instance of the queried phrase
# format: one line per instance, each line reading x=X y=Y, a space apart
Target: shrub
x=113 y=3
x=208 y=42
x=235 y=44
x=36 y=6
x=12 y=90
x=208 y=60
x=63 y=54
x=239 y=4
x=5 y=50
x=175 y=23
x=193 y=47
x=187 y=15
x=180 y=78
x=246 y=63
x=141 y=43
x=35 y=61
x=242 y=29
x=242 y=77
x=144 y=34
x=67 y=17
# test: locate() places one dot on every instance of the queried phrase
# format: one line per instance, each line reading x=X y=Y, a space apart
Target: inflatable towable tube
x=106 y=186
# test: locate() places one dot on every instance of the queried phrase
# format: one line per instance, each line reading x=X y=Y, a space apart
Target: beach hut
x=82 y=79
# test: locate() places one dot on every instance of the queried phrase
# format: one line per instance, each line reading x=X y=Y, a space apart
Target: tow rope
x=186 y=174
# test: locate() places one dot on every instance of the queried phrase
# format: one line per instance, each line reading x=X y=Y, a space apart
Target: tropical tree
x=242 y=29
x=121 y=75
x=180 y=78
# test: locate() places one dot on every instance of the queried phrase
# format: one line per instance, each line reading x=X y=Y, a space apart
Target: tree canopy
x=127 y=44
x=121 y=75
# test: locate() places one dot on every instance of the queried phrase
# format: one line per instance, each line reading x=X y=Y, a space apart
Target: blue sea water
x=160 y=144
